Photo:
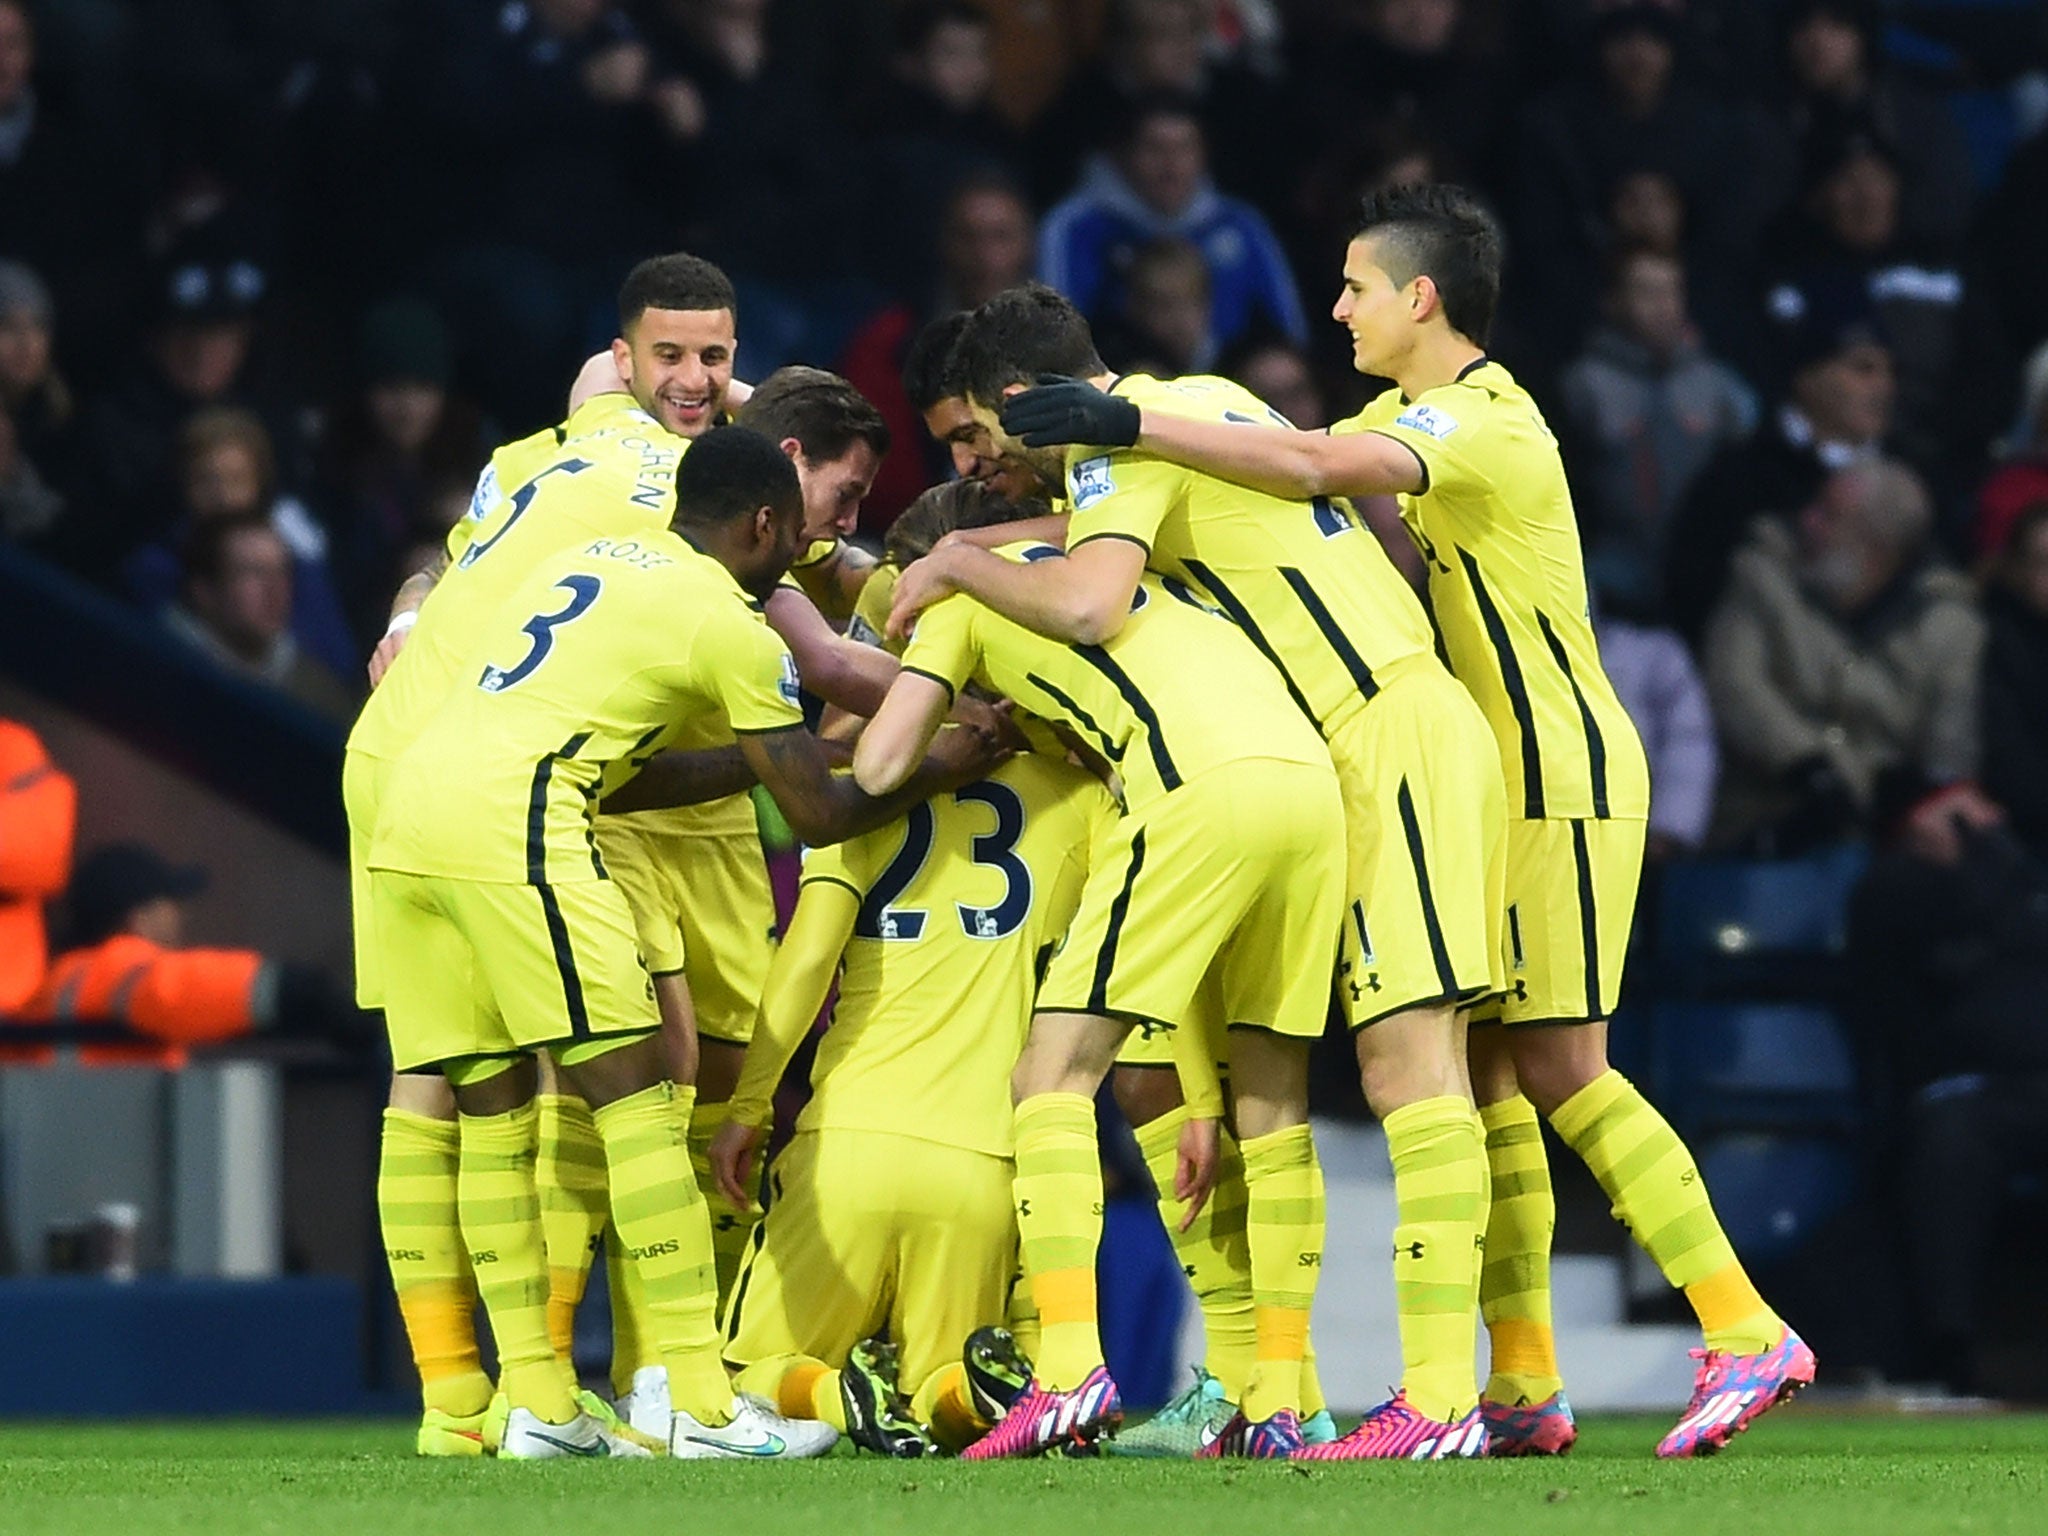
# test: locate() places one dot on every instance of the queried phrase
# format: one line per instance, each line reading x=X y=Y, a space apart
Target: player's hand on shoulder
x=960 y=755
x=922 y=583
x=1058 y=411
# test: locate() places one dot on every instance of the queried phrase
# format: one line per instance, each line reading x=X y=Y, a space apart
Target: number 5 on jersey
x=540 y=630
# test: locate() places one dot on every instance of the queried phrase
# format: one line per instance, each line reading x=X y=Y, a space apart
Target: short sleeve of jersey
x=1124 y=495
x=1428 y=430
x=481 y=500
x=942 y=648
x=817 y=552
x=754 y=674
x=870 y=620
x=841 y=864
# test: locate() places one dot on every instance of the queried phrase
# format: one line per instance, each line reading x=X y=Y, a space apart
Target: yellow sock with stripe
x=1020 y=1315
x=632 y=1336
x=417 y=1166
x=1312 y=1400
x=501 y=1224
x=1213 y=1252
x=731 y=1230
x=946 y=1406
x=1514 y=1280
x=661 y=1220
x=574 y=1208
x=1059 y=1223
x=1656 y=1189
x=1284 y=1229
x=1439 y=1182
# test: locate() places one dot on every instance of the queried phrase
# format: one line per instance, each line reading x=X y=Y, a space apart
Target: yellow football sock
x=632 y=1342
x=1059 y=1222
x=501 y=1224
x=1021 y=1314
x=1514 y=1281
x=1656 y=1189
x=799 y=1386
x=416 y=1178
x=1213 y=1252
x=1284 y=1226
x=946 y=1406
x=1312 y=1400
x=1438 y=1184
x=661 y=1220
x=573 y=1206
x=731 y=1230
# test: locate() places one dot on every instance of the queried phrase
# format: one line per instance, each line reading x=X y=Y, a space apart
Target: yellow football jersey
x=1309 y=585
x=959 y=906
x=1507 y=582
x=870 y=622
x=1177 y=691
x=603 y=650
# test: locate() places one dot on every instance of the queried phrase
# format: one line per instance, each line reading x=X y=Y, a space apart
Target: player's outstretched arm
x=1281 y=461
x=798 y=981
x=1082 y=599
x=823 y=808
x=682 y=777
x=838 y=670
x=895 y=741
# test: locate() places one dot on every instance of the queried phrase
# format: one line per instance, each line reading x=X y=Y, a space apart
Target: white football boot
x=756 y=1432
x=529 y=1437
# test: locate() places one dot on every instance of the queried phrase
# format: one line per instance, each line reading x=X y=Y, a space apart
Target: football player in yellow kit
x=1483 y=492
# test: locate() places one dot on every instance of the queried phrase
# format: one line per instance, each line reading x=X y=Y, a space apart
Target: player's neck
x=1437 y=359
x=1105 y=380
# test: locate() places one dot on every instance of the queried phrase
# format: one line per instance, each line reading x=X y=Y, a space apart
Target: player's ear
x=622 y=358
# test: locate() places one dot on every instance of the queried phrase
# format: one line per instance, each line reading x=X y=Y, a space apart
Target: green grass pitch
x=1801 y=1471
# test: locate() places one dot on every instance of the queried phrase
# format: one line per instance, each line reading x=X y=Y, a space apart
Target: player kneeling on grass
x=495 y=913
x=1226 y=870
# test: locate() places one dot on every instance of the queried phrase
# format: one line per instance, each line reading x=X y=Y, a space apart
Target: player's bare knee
x=1553 y=1063
x=1492 y=1060
x=1408 y=1057
x=1145 y=1094
x=426 y=1094
x=615 y=1072
x=492 y=1087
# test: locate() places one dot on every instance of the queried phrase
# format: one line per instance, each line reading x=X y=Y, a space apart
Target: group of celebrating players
x=1136 y=748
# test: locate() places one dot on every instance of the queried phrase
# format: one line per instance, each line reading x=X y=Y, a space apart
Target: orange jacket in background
x=181 y=996
x=38 y=813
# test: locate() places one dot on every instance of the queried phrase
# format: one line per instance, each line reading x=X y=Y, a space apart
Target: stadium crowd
x=274 y=283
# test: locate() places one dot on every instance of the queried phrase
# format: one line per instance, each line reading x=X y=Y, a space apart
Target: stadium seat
x=1774 y=1192
x=1745 y=927
x=1754 y=1066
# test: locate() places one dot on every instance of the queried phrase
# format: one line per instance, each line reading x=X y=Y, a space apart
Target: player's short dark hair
x=1019 y=334
x=945 y=507
x=1442 y=232
x=675 y=281
x=732 y=472
x=823 y=412
x=926 y=366
x=203 y=552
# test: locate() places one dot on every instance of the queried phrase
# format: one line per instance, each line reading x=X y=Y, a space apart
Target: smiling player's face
x=1047 y=465
x=1374 y=309
x=974 y=456
x=678 y=363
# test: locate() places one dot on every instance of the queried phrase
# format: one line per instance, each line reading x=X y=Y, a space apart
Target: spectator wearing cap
x=1835 y=411
x=227 y=469
x=206 y=300
x=125 y=963
x=38 y=814
x=1154 y=185
x=1645 y=409
x=395 y=441
x=1838 y=85
x=235 y=606
x=1848 y=234
x=1843 y=667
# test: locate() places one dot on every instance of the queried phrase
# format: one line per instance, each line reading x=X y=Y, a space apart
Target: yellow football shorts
x=1425 y=820
x=483 y=969
x=1571 y=897
x=867 y=1230
x=704 y=907
x=1239 y=871
x=362 y=786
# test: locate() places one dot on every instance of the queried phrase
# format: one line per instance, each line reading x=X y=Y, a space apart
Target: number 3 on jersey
x=540 y=629
x=996 y=849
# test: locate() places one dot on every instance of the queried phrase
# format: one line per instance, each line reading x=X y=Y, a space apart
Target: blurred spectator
x=1631 y=111
x=1155 y=185
x=33 y=393
x=125 y=963
x=1646 y=408
x=1849 y=239
x=1836 y=410
x=2015 y=703
x=197 y=356
x=226 y=469
x=38 y=814
x=1840 y=86
x=2022 y=480
x=1843 y=667
x=1658 y=685
x=235 y=606
x=29 y=508
x=394 y=443
x=985 y=246
x=1276 y=371
x=1162 y=326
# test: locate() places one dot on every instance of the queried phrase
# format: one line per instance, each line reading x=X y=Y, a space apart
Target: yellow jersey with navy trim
x=961 y=905
x=596 y=658
x=1177 y=690
x=612 y=472
x=1306 y=581
x=1507 y=583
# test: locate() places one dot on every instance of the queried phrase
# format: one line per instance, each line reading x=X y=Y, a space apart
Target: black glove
x=1062 y=410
